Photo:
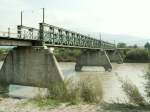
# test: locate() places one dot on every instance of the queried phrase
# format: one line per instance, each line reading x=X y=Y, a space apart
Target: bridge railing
x=107 y=45
x=9 y=32
x=59 y=36
x=28 y=33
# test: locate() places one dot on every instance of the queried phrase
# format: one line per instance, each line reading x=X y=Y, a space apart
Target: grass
x=72 y=92
x=4 y=50
x=123 y=107
x=88 y=89
x=136 y=102
x=3 y=53
x=91 y=89
x=147 y=85
x=66 y=55
x=45 y=102
x=137 y=55
x=132 y=92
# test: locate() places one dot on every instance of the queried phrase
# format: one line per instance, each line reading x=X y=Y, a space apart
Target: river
x=111 y=86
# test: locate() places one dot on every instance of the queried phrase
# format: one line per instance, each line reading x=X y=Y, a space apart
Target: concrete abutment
x=93 y=58
x=115 y=56
x=30 y=66
x=37 y=66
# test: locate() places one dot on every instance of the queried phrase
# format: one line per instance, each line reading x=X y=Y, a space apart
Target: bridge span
x=52 y=36
x=32 y=63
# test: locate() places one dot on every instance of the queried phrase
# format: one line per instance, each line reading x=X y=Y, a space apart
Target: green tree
x=137 y=55
x=121 y=45
x=147 y=46
x=135 y=46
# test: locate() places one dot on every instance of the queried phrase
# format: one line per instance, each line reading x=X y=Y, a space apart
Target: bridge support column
x=93 y=58
x=30 y=66
x=115 y=57
x=4 y=88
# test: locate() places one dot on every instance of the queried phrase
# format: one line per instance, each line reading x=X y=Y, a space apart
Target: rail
x=29 y=33
x=59 y=36
x=56 y=36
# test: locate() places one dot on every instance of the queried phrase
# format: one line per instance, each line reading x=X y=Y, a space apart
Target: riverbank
x=111 y=87
x=21 y=105
x=3 y=53
x=2 y=57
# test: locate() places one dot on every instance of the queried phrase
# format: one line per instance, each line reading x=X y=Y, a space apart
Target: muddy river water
x=111 y=85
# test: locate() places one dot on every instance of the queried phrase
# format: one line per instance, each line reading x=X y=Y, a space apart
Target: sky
x=130 y=18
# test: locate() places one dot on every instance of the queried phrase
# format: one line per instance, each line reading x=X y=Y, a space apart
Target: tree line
x=124 y=45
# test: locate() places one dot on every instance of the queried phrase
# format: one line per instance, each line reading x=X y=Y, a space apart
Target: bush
x=4 y=50
x=3 y=53
x=137 y=55
x=42 y=102
x=88 y=90
x=132 y=93
x=91 y=90
x=63 y=54
x=147 y=86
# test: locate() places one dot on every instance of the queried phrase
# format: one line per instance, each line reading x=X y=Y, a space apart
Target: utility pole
x=115 y=44
x=43 y=15
x=21 y=17
x=100 y=36
x=8 y=32
x=100 y=39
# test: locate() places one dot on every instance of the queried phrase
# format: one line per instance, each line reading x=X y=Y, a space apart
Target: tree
x=121 y=45
x=135 y=46
x=147 y=45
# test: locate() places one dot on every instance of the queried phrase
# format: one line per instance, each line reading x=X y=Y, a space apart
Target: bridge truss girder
x=55 y=36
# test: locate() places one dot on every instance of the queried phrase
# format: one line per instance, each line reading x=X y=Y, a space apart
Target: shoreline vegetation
x=85 y=93
x=3 y=53
x=136 y=55
x=133 y=54
x=84 y=96
x=84 y=90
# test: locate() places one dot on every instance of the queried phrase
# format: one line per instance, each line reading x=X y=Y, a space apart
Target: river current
x=111 y=86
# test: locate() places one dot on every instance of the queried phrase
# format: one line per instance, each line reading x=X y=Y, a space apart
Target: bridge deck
x=52 y=36
x=8 y=41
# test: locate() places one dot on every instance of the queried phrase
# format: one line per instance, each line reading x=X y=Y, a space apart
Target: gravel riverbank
x=17 y=105
x=20 y=105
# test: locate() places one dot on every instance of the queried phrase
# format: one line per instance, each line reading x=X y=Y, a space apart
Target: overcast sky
x=125 y=17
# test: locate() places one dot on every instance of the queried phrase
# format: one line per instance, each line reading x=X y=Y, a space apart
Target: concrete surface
x=30 y=66
x=93 y=58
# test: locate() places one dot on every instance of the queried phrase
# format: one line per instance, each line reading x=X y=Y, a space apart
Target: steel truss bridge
x=52 y=36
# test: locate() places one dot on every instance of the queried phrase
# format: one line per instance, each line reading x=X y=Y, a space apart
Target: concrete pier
x=30 y=66
x=93 y=58
x=115 y=56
